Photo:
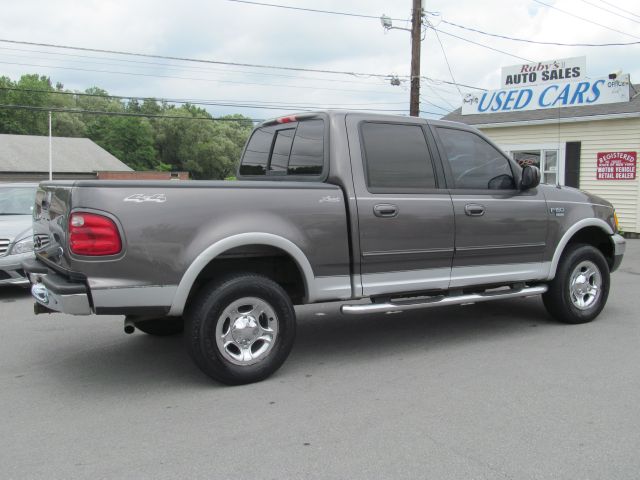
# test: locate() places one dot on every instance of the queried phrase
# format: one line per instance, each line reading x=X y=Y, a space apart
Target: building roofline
x=546 y=121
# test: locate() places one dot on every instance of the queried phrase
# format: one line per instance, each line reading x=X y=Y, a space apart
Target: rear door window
x=396 y=157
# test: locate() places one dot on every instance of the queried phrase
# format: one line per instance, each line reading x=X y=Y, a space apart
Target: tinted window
x=281 y=150
x=256 y=154
x=397 y=156
x=475 y=163
x=307 y=154
x=297 y=149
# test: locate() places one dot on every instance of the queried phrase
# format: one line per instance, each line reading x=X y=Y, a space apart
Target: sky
x=228 y=31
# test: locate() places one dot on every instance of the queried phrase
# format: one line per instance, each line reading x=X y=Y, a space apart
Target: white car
x=16 y=234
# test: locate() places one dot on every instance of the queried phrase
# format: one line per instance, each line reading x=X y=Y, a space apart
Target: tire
x=240 y=329
x=160 y=327
x=571 y=297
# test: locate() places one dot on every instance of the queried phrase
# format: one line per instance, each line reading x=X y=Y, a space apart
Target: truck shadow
x=141 y=363
x=10 y=293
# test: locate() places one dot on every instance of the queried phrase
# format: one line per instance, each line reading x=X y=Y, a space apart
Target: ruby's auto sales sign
x=616 y=166
x=562 y=69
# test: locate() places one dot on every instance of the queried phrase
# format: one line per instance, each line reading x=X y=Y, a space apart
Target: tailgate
x=51 y=214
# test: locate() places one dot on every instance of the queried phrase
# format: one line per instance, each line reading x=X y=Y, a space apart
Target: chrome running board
x=441 y=300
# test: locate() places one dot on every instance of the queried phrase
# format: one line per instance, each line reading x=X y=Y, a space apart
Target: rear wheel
x=240 y=329
x=580 y=289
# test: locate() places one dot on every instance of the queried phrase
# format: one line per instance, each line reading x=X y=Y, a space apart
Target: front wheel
x=580 y=289
x=241 y=329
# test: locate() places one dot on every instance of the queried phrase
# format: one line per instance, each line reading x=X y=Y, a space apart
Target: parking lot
x=495 y=390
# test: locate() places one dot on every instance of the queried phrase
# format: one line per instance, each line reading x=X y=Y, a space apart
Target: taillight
x=93 y=235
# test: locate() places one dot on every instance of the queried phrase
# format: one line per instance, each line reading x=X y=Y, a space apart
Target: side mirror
x=530 y=177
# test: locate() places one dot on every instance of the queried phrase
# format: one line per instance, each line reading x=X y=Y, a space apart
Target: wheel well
x=271 y=262
x=596 y=237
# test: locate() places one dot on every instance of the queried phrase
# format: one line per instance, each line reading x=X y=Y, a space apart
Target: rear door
x=405 y=215
x=500 y=230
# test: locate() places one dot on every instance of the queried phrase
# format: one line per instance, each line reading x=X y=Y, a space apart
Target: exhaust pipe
x=129 y=326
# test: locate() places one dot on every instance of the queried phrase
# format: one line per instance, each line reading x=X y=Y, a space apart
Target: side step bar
x=441 y=300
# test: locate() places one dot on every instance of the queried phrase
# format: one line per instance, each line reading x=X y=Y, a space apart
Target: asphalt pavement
x=494 y=390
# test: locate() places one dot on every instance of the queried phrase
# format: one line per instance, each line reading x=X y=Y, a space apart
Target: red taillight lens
x=94 y=235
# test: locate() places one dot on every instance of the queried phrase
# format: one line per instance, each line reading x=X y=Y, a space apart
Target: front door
x=406 y=224
x=500 y=230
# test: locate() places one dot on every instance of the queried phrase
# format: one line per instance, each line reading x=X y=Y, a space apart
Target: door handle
x=474 y=209
x=385 y=210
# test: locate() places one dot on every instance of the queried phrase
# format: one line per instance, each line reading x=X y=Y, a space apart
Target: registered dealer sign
x=616 y=165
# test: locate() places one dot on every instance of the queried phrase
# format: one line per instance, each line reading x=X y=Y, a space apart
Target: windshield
x=17 y=200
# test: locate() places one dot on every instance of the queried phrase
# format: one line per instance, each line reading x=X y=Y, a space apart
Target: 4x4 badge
x=557 y=211
x=143 y=197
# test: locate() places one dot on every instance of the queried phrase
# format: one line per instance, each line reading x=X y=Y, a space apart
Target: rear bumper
x=619 y=247
x=11 y=271
x=55 y=292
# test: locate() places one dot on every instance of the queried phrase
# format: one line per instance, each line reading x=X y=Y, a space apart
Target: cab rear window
x=295 y=148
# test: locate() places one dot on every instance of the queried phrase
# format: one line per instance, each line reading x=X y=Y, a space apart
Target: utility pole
x=416 y=33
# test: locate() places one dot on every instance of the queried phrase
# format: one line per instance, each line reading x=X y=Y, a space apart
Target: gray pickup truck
x=383 y=213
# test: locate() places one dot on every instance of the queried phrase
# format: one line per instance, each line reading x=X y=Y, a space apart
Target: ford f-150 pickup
x=406 y=213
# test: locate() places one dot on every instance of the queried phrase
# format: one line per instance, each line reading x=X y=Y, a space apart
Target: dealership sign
x=549 y=95
x=551 y=71
x=616 y=166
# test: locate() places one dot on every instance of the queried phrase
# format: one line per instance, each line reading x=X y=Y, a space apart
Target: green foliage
x=206 y=149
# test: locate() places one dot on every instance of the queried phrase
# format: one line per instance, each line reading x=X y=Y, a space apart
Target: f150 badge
x=330 y=199
x=143 y=197
x=557 y=211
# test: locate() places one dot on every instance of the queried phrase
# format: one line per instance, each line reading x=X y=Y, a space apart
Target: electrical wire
x=610 y=11
x=182 y=67
x=585 y=19
x=235 y=82
x=191 y=102
x=482 y=45
x=124 y=114
x=620 y=8
x=505 y=37
x=330 y=12
x=196 y=60
x=132 y=114
x=444 y=53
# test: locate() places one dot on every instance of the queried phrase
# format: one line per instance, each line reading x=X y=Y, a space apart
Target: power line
x=585 y=19
x=182 y=67
x=132 y=114
x=220 y=62
x=369 y=16
x=235 y=82
x=445 y=58
x=438 y=81
x=196 y=60
x=330 y=12
x=124 y=114
x=483 y=46
x=610 y=11
x=620 y=8
x=184 y=101
x=525 y=40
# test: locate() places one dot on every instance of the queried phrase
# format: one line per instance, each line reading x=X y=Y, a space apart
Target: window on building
x=475 y=163
x=397 y=157
x=545 y=160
